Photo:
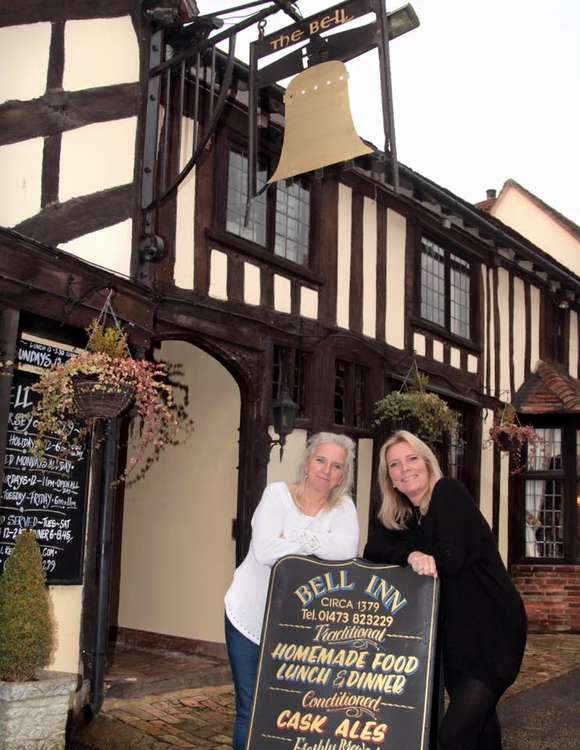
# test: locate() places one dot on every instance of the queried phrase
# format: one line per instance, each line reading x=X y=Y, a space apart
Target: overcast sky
x=483 y=92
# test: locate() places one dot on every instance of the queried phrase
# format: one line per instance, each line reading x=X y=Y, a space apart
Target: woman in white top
x=315 y=516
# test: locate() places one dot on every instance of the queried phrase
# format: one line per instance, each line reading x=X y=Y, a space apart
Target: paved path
x=202 y=717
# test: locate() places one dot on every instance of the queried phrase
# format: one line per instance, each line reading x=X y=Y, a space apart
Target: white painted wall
x=178 y=556
x=395 y=310
x=96 y=157
x=369 y=270
x=504 y=330
x=519 y=332
x=183 y=272
x=20 y=180
x=109 y=247
x=24 y=54
x=66 y=613
x=343 y=256
x=100 y=52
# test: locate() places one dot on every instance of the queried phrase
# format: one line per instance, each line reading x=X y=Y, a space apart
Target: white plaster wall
x=24 y=54
x=395 y=309
x=252 y=285
x=573 y=353
x=308 y=303
x=100 y=52
x=486 y=477
x=218 y=275
x=490 y=348
x=178 y=556
x=369 y=270
x=504 y=506
x=286 y=470
x=504 y=330
x=109 y=247
x=535 y=301
x=517 y=210
x=519 y=332
x=20 y=180
x=455 y=357
x=438 y=351
x=471 y=363
x=419 y=344
x=343 y=256
x=183 y=272
x=66 y=612
x=96 y=157
x=282 y=298
x=363 y=489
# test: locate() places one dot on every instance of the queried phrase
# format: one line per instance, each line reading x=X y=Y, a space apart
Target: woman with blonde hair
x=432 y=524
x=314 y=516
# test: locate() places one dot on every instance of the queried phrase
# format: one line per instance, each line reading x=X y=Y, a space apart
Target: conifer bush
x=26 y=631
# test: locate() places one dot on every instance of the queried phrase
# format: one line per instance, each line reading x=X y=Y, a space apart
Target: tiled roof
x=548 y=390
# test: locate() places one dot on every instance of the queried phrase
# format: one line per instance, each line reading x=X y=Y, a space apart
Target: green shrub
x=26 y=631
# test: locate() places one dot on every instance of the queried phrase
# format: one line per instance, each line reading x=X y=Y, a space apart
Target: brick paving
x=202 y=717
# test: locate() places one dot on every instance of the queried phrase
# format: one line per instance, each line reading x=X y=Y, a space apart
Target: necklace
x=418 y=515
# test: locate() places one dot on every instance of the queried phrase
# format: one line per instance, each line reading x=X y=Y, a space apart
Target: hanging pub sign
x=347 y=657
x=45 y=495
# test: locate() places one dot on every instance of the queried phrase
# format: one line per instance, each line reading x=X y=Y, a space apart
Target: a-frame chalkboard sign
x=46 y=495
x=347 y=657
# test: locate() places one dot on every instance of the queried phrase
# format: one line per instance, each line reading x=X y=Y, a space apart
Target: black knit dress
x=483 y=621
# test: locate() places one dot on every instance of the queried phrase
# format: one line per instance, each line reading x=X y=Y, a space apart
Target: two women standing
x=427 y=522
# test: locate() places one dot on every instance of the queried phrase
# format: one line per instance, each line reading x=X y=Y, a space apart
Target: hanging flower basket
x=102 y=382
x=511 y=436
x=92 y=399
x=413 y=409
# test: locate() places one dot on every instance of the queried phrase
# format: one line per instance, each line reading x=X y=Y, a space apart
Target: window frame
x=265 y=253
x=444 y=331
x=569 y=477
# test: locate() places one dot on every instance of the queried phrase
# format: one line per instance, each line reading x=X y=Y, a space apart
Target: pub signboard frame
x=347 y=657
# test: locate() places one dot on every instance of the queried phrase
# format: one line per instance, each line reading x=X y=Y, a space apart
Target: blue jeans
x=243 y=655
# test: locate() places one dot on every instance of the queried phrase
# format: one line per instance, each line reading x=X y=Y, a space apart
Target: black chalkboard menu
x=46 y=495
x=347 y=656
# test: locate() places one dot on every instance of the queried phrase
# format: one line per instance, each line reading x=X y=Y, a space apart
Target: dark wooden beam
x=62 y=222
x=32 y=11
x=356 y=265
x=9 y=319
x=56 y=285
x=58 y=111
x=50 y=170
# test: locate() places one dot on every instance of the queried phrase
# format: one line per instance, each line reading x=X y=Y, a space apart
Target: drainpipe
x=104 y=545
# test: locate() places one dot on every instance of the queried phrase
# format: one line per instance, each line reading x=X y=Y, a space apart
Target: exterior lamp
x=283 y=416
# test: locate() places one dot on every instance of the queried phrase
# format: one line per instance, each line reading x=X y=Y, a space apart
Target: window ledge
x=244 y=247
x=442 y=333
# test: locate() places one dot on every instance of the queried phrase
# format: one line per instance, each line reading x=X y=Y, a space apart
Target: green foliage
x=110 y=340
x=412 y=409
x=26 y=629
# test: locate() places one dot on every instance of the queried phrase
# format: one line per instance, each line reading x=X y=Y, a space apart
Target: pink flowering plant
x=148 y=386
x=512 y=436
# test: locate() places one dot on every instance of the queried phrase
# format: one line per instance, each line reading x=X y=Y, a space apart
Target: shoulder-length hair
x=313 y=444
x=396 y=508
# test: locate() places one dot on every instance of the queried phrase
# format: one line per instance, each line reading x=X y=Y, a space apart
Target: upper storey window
x=279 y=218
x=445 y=289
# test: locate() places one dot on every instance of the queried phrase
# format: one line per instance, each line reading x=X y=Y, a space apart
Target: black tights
x=471 y=721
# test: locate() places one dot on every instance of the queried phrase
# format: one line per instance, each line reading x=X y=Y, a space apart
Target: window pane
x=255 y=231
x=432 y=282
x=456 y=457
x=292 y=222
x=460 y=296
x=546 y=455
x=544 y=519
x=359 y=396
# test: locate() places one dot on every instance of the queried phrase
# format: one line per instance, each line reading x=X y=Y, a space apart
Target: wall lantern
x=284 y=412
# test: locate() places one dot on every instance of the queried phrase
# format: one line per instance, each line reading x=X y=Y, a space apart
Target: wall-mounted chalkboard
x=347 y=658
x=46 y=495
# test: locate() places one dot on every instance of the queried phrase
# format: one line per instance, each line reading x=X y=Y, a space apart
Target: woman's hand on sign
x=422 y=564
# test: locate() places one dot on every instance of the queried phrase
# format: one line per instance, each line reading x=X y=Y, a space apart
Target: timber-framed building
x=335 y=285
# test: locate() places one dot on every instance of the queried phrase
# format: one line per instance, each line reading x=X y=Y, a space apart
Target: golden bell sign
x=318 y=123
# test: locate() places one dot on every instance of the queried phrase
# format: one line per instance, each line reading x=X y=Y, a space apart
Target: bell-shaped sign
x=318 y=123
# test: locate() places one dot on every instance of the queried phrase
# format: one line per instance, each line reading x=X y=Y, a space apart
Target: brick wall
x=551 y=595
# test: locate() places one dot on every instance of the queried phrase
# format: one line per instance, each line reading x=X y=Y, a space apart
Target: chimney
x=491 y=194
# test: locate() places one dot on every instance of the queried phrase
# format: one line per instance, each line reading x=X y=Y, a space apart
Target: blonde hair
x=395 y=508
x=313 y=444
